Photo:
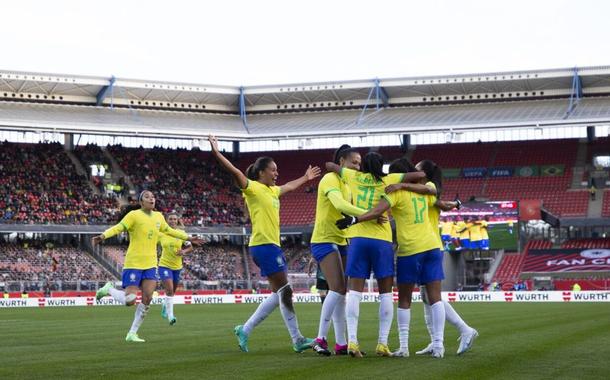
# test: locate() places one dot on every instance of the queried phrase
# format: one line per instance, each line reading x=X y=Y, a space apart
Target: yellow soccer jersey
x=446 y=228
x=325 y=230
x=264 y=207
x=434 y=213
x=169 y=247
x=366 y=192
x=414 y=232
x=461 y=225
x=454 y=230
x=484 y=234
x=475 y=232
x=144 y=232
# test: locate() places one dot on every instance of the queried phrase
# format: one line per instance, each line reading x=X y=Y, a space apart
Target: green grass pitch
x=517 y=341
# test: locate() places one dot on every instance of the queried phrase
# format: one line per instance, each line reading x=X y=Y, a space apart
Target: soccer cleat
x=172 y=321
x=303 y=344
x=383 y=350
x=438 y=352
x=133 y=337
x=163 y=311
x=401 y=353
x=320 y=346
x=466 y=341
x=242 y=338
x=425 y=351
x=340 y=349
x=353 y=349
x=103 y=291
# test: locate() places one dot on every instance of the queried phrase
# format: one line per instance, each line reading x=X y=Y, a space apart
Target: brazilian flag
x=552 y=170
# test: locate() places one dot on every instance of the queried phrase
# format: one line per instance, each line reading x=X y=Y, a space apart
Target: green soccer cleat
x=133 y=337
x=103 y=291
x=163 y=311
x=242 y=338
x=303 y=344
x=172 y=321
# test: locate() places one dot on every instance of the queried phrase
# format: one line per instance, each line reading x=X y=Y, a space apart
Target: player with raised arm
x=370 y=247
x=329 y=248
x=170 y=266
x=262 y=197
x=144 y=226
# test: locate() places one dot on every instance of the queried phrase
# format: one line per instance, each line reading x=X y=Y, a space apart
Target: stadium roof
x=116 y=106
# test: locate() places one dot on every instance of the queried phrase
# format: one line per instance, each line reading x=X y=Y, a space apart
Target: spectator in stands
x=576 y=287
x=592 y=191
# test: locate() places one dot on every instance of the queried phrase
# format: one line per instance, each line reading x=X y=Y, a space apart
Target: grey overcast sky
x=282 y=41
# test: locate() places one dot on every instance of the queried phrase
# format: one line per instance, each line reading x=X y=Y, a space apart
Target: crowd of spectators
x=40 y=185
x=186 y=181
x=46 y=262
x=216 y=261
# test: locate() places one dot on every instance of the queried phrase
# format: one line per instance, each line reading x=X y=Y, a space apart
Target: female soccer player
x=370 y=247
x=170 y=266
x=144 y=226
x=419 y=257
x=329 y=248
x=262 y=198
x=467 y=334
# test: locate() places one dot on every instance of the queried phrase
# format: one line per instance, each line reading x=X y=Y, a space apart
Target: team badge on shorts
x=132 y=277
x=279 y=260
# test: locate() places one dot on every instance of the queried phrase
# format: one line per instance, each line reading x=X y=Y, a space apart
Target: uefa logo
x=596 y=253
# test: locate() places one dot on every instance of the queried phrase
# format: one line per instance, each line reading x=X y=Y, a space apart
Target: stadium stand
x=184 y=181
x=40 y=263
x=41 y=186
x=586 y=243
x=606 y=204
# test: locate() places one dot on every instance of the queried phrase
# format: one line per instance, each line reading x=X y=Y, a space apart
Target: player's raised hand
x=97 y=240
x=312 y=172
x=213 y=143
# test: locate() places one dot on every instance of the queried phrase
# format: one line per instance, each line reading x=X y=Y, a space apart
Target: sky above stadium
x=269 y=42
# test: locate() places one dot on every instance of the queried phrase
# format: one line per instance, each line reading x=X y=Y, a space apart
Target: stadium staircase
x=579 y=165
x=117 y=173
x=606 y=204
x=81 y=170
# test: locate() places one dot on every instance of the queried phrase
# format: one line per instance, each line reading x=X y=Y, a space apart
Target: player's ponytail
x=127 y=210
x=343 y=152
x=434 y=174
x=373 y=164
x=261 y=163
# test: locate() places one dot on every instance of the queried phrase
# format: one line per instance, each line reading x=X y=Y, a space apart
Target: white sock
x=118 y=295
x=386 y=314
x=288 y=314
x=141 y=311
x=454 y=318
x=404 y=319
x=438 y=324
x=352 y=312
x=169 y=306
x=263 y=310
x=428 y=319
x=339 y=321
x=328 y=308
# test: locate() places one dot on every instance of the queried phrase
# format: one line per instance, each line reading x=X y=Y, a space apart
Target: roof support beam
x=575 y=94
x=104 y=92
x=242 y=108
x=381 y=94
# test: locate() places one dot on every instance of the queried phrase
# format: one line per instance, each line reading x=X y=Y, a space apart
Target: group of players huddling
x=351 y=238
